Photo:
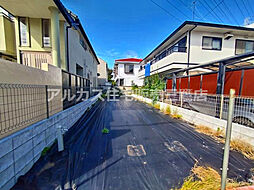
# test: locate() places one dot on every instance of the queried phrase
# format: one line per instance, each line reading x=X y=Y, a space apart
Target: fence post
x=221 y=105
x=227 y=140
x=47 y=103
x=60 y=141
x=181 y=99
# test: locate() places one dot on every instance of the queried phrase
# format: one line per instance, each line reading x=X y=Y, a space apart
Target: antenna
x=193 y=9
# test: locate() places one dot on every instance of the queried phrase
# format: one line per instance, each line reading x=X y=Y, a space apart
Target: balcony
x=36 y=59
x=174 y=60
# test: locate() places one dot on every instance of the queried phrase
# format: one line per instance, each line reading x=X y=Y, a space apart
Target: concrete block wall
x=19 y=151
x=238 y=131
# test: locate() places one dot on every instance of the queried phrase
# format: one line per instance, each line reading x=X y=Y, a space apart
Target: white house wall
x=198 y=55
x=129 y=78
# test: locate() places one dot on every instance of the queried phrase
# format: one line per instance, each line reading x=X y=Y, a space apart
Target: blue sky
x=133 y=28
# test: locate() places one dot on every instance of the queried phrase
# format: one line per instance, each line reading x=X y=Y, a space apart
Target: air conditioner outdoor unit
x=227 y=36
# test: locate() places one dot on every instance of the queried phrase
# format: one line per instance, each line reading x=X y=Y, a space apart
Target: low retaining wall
x=19 y=151
x=238 y=131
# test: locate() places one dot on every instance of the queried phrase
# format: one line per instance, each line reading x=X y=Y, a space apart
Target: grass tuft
x=157 y=106
x=105 y=130
x=235 y=144
x=167 y=110
x=217 y=134
x=206 y=178
x=45 y=151
x=176 y=114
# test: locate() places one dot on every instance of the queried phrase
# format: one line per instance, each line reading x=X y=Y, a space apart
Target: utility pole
x=193 y=9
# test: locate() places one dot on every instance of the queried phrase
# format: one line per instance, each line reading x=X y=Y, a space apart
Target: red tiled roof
x=128 y=60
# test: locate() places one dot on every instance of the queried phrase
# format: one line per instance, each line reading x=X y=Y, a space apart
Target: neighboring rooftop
x=129 y=60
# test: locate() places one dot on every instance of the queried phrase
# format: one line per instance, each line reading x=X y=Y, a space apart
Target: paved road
x=161 y=154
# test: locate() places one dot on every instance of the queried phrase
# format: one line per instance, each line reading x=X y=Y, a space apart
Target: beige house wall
x=79 y=56
x=7 y=36
x=35 y=34
x=103 y=71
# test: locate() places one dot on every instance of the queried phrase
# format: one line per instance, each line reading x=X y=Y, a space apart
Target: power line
x=218 y=18
x=239 y=9
x=222 y=11
x=189 y=8
x=177 y=9
x=166 y=11
x=246 y=8
x=212 y=10
x=251 y=8
x=231 y=13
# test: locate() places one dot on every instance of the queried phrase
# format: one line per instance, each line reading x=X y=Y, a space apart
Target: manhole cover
x=136 y=150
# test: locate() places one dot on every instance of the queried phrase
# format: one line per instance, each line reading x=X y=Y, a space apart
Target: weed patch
x=235 y=144
x=206 y=178
x=176 y=114
x=243 y=147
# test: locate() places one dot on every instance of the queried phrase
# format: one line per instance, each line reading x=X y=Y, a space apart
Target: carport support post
x=227 y=140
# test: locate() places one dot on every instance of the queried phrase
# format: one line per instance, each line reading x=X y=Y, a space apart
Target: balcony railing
x=166 y=53
x=35 y=59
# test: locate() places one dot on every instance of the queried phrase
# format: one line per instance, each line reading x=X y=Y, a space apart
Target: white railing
x=35 y=59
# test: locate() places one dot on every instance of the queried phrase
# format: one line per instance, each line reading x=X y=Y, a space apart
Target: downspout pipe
x=67 y=47
x=189 y=39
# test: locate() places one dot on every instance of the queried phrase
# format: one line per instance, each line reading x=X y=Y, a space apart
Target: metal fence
x=213 y=105
x=22 y=105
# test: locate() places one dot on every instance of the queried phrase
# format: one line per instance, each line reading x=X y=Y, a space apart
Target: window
x=121 y=82
x=46 y=33
x=244 y=46
x=211 y=43
x=129 y=69
x=79 y=70
x=82 y=42
x=23 y=31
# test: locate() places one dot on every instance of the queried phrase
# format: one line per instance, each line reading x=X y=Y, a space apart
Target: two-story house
x=126 y=72
x=7 y=36
x=47 y=33
x=195 y=43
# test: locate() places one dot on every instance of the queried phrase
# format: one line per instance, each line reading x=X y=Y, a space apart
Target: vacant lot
x=144 y=149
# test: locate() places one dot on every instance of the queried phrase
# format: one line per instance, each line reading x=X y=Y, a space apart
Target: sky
x=133 y=28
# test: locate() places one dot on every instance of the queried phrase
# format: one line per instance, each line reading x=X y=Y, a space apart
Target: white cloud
x=247 y=21
x=109 y=53
x=131 y=54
